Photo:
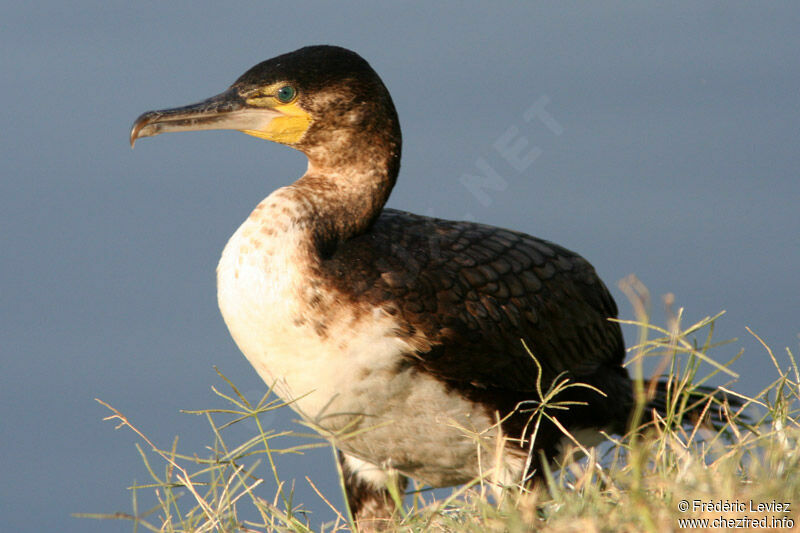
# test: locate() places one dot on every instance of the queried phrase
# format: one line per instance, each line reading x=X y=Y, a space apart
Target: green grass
x=636 y=483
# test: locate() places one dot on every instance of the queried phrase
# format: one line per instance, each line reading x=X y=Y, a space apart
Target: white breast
x=349 y=377
x=263 y=289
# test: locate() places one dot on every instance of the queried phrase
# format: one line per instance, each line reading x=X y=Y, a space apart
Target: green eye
x=286 y=94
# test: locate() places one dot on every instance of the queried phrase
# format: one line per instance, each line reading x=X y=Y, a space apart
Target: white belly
x=347 y=379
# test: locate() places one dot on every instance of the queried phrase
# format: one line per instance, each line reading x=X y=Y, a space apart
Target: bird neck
x=348 y=181
x=353 y=148
x=345 y=199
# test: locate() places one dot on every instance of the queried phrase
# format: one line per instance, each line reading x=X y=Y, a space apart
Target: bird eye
x=286 y=94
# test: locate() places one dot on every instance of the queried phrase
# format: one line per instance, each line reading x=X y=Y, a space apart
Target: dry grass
x=635 y=484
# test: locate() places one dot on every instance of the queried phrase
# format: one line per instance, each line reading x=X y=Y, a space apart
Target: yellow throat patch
x=287 y=128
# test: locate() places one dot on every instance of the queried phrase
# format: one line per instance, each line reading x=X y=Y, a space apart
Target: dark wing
x=467 y=294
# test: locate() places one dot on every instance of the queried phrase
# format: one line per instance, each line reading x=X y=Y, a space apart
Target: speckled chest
x=274 y=308
x=348 y=375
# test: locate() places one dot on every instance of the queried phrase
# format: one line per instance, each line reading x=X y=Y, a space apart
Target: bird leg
x=368 y=497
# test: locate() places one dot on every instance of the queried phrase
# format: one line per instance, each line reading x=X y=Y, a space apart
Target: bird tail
x=711 y=406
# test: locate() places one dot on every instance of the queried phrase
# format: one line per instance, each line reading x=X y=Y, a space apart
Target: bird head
x=318 y=99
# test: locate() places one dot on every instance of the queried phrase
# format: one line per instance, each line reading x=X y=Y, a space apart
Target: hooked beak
x=226 y=111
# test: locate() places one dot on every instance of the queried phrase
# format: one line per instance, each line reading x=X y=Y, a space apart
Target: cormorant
x=398 y=335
